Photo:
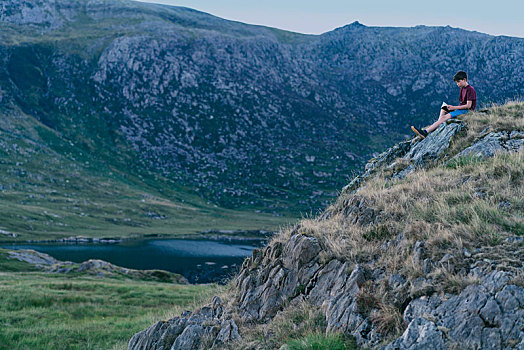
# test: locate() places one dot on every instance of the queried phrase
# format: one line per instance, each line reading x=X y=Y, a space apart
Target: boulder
x=204 y=329
x=495 y=142
x=414 y=154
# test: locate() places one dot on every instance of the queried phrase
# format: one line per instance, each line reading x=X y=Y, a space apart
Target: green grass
x=322 y=342
x=47 y=311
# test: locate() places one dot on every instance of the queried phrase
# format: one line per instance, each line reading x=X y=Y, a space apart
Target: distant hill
x=245 y=116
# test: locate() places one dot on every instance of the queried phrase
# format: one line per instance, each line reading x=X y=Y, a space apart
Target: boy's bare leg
x=441 y=119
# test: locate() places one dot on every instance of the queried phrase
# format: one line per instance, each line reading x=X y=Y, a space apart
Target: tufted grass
x=318 y=341
x=301 y=326
x=467 y=205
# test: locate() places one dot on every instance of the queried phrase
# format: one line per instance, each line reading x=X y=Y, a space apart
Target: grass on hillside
x=300 y=327
x=56 y=311
x=50 y=194
x=462 y=203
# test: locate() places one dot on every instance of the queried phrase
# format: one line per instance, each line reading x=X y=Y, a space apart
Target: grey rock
x=427 y=266
x=190 y=338
x=380 y=161
x=420 y=334
x=510 y=298
x=396 y=281
x=421 y=286
x=414 y=153
x=431 y=148
x=202 y=329
x=422 y=306
x=323 y=283
x=491 y=313
x=299 y=251
x=495 y=142
x=491 y=339
x=32 y=257
x=228 y=332
x=150 y=338
x=495 y=280
x=418 y=253
x=264 y=290
x=515 y=239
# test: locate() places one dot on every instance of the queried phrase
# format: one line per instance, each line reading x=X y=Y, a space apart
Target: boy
x=468 y=101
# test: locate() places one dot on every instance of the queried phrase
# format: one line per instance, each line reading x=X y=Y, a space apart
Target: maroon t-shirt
x=468 y=94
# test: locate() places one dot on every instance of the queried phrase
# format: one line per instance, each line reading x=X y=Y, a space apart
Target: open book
x=445 y=107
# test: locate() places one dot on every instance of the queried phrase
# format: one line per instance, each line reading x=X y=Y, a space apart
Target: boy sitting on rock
x=468 y=101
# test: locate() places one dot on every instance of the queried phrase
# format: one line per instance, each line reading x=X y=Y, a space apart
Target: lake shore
x=214 y=235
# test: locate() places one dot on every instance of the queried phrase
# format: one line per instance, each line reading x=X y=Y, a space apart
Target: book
x=445 y=107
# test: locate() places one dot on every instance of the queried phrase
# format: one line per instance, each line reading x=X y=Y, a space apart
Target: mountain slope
x=246 y=115
x=52 y=189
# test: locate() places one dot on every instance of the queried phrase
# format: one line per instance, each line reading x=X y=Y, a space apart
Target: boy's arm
x=466 y=106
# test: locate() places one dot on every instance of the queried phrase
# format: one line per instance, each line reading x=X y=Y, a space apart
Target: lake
x=200 y=261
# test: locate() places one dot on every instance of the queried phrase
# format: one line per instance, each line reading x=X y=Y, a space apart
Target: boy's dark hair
x=460 y=76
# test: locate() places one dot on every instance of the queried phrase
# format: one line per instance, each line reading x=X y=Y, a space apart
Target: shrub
x=388 y=320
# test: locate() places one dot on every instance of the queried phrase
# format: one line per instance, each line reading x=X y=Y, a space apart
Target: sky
x=495 y=17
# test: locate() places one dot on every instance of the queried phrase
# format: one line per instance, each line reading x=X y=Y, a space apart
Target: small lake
x=200 y=261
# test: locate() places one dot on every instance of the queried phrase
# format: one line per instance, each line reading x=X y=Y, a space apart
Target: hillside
x=241 y=116
x=425 y=249
x=51 y=189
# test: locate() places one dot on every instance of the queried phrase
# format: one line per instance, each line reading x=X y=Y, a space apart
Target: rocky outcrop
x=408 y=156
x=495 y=142
x=207 y=328
x=38 y=259
x=94 y=267
x=430 y=149
x=487 y=315
x=277 y=274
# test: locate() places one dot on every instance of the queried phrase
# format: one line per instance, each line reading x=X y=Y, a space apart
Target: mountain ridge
x=246 y=116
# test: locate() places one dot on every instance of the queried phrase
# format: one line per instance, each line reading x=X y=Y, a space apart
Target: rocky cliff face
x=247 y=115
x=415 y=285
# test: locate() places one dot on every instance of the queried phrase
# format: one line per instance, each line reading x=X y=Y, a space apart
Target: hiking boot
x=420 y=132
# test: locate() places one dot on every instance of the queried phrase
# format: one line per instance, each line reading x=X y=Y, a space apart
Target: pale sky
x=495 y=17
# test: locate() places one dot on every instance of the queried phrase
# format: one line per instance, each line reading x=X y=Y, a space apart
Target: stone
x=418 y=253
x=430 y=149
x=420 y=334
x=495 y=142
x=421 y=286
x=32 y=257
x=491 y=313
x=190 y=338
x=205 y=327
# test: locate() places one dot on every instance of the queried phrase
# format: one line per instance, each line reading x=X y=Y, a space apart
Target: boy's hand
x=451 y=108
